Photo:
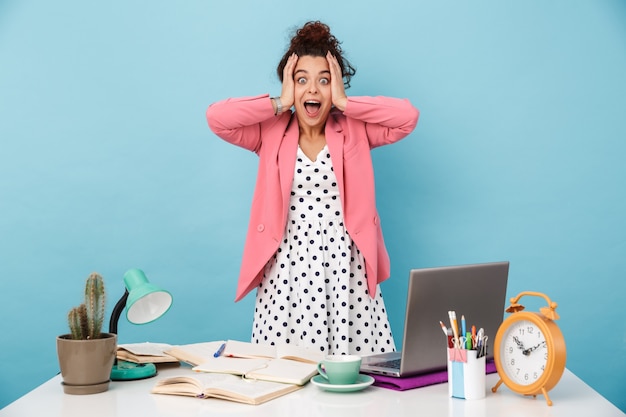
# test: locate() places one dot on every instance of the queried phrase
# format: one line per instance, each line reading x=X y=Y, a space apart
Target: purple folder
x=403 y=384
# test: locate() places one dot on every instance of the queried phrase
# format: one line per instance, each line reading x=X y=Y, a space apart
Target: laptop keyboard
x=393 y=364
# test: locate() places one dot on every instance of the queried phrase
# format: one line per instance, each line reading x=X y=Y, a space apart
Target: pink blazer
x=366 y=123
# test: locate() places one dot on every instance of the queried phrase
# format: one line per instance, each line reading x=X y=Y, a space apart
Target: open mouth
x=312 y=106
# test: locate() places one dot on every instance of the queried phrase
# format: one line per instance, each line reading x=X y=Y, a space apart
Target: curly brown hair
x=315 y=39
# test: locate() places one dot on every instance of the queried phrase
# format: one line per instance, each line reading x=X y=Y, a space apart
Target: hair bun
x=315 y=39
x=316 y=33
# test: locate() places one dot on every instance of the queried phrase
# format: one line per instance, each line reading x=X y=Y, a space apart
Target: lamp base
x=128 y=371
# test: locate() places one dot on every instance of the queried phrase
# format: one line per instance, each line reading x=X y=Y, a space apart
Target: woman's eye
x=324 y=81
x=301 y=80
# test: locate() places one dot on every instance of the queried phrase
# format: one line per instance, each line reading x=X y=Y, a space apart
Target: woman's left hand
x=337 y=90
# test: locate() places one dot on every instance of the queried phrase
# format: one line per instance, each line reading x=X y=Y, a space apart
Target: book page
x=195 y=353
x=147 y=348
x=287 y=351
x=228 y=365
x=285 y=371
x=239 y=349
x=145 y=353
x=223 y=386
x=179 y=385
x=299 y=353
x=276 y=370
x=251 y=392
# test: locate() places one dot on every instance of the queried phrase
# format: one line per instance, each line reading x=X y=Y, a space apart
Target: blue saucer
x=362 y=382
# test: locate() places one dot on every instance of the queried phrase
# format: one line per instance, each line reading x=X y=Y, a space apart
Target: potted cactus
x=86 y=355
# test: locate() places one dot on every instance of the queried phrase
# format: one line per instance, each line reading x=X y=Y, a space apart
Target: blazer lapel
x=334 y=140
x=287 y=159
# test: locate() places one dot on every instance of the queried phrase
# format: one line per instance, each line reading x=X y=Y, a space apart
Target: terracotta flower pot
x=86 y=364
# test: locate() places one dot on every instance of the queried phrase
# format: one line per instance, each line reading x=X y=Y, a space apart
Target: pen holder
x=466 y=374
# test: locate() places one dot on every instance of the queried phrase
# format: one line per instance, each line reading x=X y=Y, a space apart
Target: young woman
x=314 y=250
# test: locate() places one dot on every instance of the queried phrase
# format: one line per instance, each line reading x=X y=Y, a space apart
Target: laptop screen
x=476 y=291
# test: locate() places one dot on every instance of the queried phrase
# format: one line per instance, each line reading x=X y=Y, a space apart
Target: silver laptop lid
x=476 y=291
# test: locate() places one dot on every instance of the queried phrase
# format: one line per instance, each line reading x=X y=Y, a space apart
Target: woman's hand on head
x=337 y=89
x=287 y=93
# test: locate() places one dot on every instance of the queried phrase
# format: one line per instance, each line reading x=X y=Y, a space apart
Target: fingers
x=290 y=65
x=335 y=68
x=338 y=91
x=287 y=93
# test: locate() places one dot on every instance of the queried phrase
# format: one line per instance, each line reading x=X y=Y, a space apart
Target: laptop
x=477 y=291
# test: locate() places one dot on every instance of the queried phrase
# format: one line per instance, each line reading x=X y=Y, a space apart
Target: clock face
x=524 y=352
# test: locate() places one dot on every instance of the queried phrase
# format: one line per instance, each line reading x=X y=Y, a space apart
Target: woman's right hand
x=287 y=94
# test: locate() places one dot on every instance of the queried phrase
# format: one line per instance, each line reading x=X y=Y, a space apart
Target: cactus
x=78 y=325
x=95 y=303
x=86 y=320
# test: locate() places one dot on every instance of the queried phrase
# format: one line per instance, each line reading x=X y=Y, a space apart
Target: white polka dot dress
x=314 y=291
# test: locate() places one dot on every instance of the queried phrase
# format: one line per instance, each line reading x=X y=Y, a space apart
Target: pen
x=448 y=333
x=480 y=334
x=455 y=329
x=474 y=337
x=463 y=329
x=219 y=351
x=479 y=340
x=468 y=340
x=443 y=327
x=450 y=338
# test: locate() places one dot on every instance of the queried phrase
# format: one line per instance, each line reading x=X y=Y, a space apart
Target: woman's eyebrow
x=306 y=72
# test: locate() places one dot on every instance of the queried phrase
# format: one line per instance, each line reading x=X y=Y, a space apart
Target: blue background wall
x=106 y=162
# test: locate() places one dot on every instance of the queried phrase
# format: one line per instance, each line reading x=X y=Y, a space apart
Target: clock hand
x=519 y=343
x=527 y=351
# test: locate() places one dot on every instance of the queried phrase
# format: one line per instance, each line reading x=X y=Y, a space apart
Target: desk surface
x=570 y=397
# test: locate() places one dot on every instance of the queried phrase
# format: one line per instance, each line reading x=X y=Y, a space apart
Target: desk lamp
x=144 y=303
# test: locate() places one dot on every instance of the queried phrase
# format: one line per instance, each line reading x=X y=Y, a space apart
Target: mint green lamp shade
x=144 y=303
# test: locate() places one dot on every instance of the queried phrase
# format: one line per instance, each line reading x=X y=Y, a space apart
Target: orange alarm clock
x=529 y=350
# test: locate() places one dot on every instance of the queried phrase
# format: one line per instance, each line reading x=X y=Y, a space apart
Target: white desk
x=132 y=399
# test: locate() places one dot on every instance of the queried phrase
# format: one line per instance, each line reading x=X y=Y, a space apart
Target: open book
x=195 y=353
x=223 y=386
x=238 y=349
x=287 y=364
x=145 y=353
x=276 y=370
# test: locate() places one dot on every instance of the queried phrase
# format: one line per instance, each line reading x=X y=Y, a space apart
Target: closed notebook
x=222 y=386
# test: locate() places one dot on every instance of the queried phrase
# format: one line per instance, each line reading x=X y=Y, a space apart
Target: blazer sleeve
x=240 y=121
x=387 y=119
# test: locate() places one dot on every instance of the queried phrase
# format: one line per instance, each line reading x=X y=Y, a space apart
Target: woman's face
x=312 y=96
